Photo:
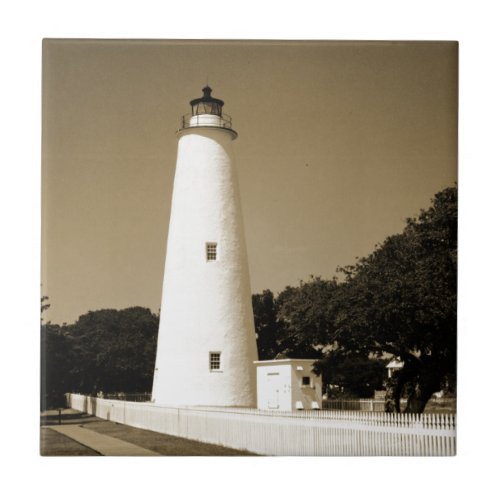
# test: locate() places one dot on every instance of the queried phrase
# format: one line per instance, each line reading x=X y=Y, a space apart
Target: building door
x=273 y=390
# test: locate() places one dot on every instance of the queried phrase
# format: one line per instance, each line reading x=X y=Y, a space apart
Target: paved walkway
x=105 y=445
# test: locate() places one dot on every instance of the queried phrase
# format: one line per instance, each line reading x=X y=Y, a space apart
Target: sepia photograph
x=249 y=248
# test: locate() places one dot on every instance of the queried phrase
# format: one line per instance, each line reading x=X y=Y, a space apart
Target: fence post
x=344 y=432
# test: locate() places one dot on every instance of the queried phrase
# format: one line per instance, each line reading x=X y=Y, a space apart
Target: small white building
x=288 y=384
x=394 y=365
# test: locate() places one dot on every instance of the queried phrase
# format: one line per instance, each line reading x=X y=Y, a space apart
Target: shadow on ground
x=164 y=444
x=54 y=444
x=68 y=416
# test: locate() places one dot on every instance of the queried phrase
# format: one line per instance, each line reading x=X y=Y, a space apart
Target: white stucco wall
x=274 y=387
x=206 y=306
x=305 y=394
x=279 y=385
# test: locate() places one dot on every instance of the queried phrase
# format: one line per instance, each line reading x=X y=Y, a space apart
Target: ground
x=52 y=443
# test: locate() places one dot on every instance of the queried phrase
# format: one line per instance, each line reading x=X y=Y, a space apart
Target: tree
x=352 y=376
x=55 y=361
x=296 y=322
x=44 y=306
x=402 y=300
x=114 y=350
x=307 y=313
x=106 y=350
x=267 y=326
x=304 y=318
x=307 y=316
x=56 y=350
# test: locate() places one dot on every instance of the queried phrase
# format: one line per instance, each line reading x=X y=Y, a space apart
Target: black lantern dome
x=206 y=112
x=206 y=105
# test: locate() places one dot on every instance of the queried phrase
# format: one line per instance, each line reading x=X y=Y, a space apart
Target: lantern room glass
x=206 y=105
x=207 y=108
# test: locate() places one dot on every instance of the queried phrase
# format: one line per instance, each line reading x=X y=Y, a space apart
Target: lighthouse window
x=306 y=381
x=211 y=251
x=214 y=361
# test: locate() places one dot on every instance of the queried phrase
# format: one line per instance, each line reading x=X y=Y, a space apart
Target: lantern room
x=206 y=111
x=206 y=105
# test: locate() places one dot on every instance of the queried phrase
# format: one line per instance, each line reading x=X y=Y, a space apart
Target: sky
x=338 y=143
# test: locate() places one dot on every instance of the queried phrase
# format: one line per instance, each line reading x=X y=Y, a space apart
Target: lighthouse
x=206 y=340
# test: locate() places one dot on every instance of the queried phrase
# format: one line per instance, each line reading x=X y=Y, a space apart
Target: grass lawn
x=53 y=444
x=435 y=405
x=161 y=443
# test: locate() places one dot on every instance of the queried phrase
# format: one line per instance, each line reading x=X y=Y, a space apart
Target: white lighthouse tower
x=206 y=341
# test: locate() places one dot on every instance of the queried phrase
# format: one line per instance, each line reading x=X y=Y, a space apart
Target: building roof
x=284 y=361
x=395 y=363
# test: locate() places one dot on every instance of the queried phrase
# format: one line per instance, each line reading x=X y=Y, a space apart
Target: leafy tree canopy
x=302 y=326
x=267 y=326
x=402 y=299
x=107 y=350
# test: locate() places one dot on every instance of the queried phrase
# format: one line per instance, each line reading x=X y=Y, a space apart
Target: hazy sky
x=338 y=143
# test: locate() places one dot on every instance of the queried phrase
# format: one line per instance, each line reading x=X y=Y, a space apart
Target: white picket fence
x=354 y=404
x=305 y=433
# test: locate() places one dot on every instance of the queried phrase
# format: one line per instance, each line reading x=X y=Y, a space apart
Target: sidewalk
x=77 y=433
x=104 y=445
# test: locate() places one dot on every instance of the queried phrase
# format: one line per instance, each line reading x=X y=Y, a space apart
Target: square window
x=306 y=381
x=211 y=251
x=214 y=361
